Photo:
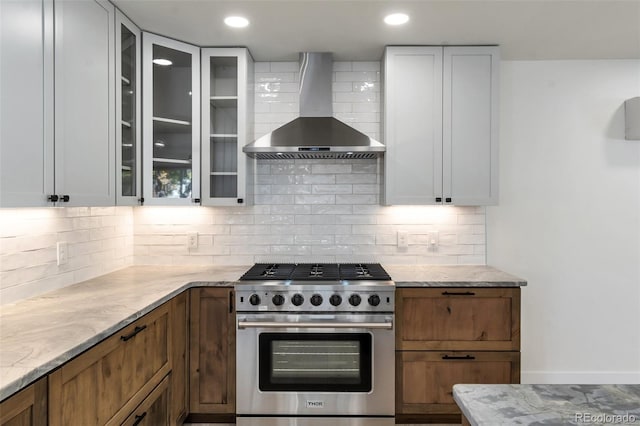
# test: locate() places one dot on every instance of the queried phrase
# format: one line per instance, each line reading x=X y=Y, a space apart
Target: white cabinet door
x=470 y=125
x=441 y=125
x=413 y=125
x=227 y=115
x=128 y=112
x=171 y=121
x=84 y=102
x=26 y=102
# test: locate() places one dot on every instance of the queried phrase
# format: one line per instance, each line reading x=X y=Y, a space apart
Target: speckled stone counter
x=451 y=276
x=548 y=404
x=37 y=335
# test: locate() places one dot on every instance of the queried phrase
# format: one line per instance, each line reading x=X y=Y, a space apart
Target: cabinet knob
x=53 y=198
x=447 y=200
x=195 y=200
x=141 y=200
x=240 y=200
x=66 y=198
x=438 y=199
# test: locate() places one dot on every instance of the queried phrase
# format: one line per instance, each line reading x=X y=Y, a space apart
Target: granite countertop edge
x=169 y=286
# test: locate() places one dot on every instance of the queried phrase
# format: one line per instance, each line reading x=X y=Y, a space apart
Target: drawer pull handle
x=459 y=293
x=133 y=333
x=139 y=418
x=458 y=357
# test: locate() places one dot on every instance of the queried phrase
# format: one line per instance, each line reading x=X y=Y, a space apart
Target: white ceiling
x=353 y=30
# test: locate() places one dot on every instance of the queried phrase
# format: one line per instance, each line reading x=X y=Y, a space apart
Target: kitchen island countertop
x=489 y=405
x=40 y=334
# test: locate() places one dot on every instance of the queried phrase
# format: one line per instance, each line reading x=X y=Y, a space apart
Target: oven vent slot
x=316 y=155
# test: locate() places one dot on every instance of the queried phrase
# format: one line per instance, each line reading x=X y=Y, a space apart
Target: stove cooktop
x=316 y=272
x=309 y=287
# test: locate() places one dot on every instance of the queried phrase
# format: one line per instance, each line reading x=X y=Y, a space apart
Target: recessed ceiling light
x=236 y=21
x=163 y=62
x=396 y=19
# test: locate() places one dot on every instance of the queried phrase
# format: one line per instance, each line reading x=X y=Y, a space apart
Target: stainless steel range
x=315 y=345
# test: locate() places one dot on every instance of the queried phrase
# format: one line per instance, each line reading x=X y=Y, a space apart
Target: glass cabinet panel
x=171 y=135
x=224 y=114
x=128 y=106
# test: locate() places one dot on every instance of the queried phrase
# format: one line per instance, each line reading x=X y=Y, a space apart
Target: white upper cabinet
x=67 y=157
x=26 y=104
x=171 y=121
x=85 y=102
x=128 y=112
x=227 y=117
x=440 y=109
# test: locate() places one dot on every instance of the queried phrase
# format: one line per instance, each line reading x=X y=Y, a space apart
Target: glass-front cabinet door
x=171 y=133
x=128 y=129
x=227 y=102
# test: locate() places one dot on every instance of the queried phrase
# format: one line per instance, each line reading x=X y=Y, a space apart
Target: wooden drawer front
x=27 y=407
x=425 y=379
x=154 y=410
x=103 y=385
x=458 y=319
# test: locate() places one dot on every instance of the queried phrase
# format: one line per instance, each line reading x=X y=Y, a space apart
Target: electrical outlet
x=434 y=240
x=192 y=241
x=62 y=253
x=403 y=239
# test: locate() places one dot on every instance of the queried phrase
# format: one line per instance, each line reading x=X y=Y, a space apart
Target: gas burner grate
x=268 y=271
x=363 y=271
x=316 y=271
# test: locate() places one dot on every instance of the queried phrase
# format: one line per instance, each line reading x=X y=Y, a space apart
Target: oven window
x=334 y=362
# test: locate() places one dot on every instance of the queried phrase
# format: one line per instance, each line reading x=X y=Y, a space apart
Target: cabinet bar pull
x=133 y=333
x=458 y=357
x=231 y=302
x=139 y=419
x=460 y=293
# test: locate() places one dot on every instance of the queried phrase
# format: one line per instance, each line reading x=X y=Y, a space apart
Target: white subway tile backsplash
x=99 y=240
x=365 y=66
x=290 y=66
x=331 y=189
x=315 y=199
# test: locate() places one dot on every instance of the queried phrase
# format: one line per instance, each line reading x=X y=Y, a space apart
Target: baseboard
x=580 y=377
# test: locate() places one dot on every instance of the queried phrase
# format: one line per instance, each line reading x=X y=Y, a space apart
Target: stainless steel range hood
x=315 y=134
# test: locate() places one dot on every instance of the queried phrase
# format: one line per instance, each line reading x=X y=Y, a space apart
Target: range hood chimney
x=315 y=134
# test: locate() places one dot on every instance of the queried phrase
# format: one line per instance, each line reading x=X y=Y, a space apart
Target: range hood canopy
x=315 y=134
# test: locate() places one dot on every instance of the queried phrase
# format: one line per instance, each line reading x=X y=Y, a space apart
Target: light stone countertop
x=451 y=276
x=490 y=405
x=40 y=334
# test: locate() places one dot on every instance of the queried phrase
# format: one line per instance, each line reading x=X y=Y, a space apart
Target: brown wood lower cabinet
x=105 y=384
x=27 y=407
x=154 y=410
x=180 y=360
x=212 y=379
x=425 y=379
x=452 y=335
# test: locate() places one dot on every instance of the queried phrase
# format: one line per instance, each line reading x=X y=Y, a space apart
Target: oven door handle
x=272 y=324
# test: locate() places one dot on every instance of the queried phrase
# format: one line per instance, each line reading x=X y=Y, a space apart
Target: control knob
x=254 y=299
x=316 y=300
x=278 y=299
x=355 y=300
x=335 y=299
x=374 y=300
x=297 y=299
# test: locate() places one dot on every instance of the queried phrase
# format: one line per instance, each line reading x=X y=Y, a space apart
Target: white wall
x=569 y=218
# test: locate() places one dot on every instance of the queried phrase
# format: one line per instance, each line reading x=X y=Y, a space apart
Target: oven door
x=320 y=365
